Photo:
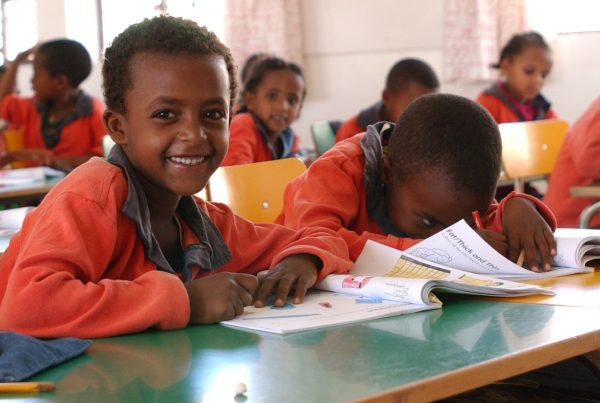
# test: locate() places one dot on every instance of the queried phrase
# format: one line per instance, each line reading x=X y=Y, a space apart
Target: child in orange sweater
x=525 y=62
x=122 y=245
x=442 y=163
x=61 y=124
x=273 y=94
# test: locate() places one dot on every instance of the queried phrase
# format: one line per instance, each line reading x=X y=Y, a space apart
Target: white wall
x=350 y=45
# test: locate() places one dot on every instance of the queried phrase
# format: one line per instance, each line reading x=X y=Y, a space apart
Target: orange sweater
x=247 y=143
x=81 y=136
x=331 y=194
x=503 y=111
x=79 y=267
x=576 y=165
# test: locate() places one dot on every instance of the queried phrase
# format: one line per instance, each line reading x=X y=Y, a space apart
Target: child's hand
x=495 y=239
x=299 y=272
x=26 y=54
x=40 y=156
x=527 y=230
x=220 y=297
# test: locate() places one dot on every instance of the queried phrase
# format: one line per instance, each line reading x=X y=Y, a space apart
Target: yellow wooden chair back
x=529 y=149
x=254 y=191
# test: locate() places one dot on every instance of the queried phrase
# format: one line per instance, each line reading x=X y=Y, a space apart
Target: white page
x=319 y=310
x=460 y=247
x=569 y=242
x=12 y=219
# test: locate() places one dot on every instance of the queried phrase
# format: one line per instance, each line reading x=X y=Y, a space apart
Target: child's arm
x=74 y=271
x=528 y=225
x=330 y=195
x=296 y=258
x=7 y=84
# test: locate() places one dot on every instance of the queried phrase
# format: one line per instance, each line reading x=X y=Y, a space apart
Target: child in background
x=406 y=80
x=442 y=163
x=273 y=96
x=576 y=165
x=524 y=64
x=61 y=124
x=121 y=245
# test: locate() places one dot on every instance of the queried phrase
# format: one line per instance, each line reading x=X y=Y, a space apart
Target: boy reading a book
x=397 y=184
x=121 y=245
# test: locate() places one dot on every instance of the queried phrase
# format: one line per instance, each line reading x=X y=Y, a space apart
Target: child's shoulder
x=243 y=118
x=96 y=180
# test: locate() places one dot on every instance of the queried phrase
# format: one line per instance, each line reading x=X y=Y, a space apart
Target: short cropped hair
x=518 y=43
x=66 y=57
x=406 y=71
x=448 y=133
x=165 y=35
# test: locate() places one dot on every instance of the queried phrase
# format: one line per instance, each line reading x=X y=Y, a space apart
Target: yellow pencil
x=26 y=387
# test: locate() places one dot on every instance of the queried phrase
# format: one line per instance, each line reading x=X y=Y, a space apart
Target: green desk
x=417 y=357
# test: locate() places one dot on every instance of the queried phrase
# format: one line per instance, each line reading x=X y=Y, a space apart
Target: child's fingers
x=264 y=290
x=247 y=281
x=283 y=290
x=302 y=286
x=544 y=251
x=531 y=254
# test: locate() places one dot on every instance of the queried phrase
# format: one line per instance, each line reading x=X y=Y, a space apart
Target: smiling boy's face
x=176 y=122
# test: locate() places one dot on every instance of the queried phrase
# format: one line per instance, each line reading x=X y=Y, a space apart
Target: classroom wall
x=350 y=45
x=348 y=50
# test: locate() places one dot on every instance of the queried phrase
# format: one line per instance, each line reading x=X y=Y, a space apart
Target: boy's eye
x=216 y=114
x=292 y=100
x=427 y=222
x=163 y=114
x=272 y=95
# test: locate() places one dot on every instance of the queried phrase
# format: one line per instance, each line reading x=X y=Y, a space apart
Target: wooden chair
x=323 y=135
x=254 y=191
x=529 y=149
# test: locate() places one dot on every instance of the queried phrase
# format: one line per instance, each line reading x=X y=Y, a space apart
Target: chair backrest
x=323 y=134
x=530 y=149
x=254 y=191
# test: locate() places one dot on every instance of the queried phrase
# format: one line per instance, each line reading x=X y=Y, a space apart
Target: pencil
x=26 y=387
x=521 y=258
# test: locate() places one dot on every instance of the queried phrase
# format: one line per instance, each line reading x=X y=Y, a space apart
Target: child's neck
x=63 y=106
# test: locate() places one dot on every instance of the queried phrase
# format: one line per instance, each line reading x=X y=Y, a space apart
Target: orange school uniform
x=576 y=165
x=505 y=110
x=333 y=194
x=81 y=135
x=249 y=142
x=358 y=123
x=86 y=264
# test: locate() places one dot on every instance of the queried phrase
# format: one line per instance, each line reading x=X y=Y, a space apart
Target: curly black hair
x=451 y=134
x=407 y=70
x=165 y=35
x=66 y=57
x=518 y=42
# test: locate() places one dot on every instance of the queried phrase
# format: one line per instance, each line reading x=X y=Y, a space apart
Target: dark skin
x=57 y=92
x=175 y=133
x=428 y=202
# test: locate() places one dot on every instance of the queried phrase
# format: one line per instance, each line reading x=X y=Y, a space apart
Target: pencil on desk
x=26 y=387
x=521 y=258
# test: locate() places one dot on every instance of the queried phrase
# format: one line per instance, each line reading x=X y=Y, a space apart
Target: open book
x=383 y=282
x=460 y=247
x=20 y=176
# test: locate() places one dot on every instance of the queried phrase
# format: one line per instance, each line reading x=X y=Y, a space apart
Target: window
x=19 y=27
x=560 y=16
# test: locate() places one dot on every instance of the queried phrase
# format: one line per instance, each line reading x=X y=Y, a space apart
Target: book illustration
x=355 y=281
x=436 y=255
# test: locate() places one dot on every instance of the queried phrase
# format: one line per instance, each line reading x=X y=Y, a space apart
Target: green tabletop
x=206 y=363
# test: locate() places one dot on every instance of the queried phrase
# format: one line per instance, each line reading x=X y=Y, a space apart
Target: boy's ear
x=113 y=121
x=504 y=66
x=386 y=95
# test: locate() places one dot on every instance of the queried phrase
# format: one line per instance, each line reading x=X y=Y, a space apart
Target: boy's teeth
x=187 y=160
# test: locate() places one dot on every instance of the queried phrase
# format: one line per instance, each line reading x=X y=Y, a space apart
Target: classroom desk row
x=411 y=358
